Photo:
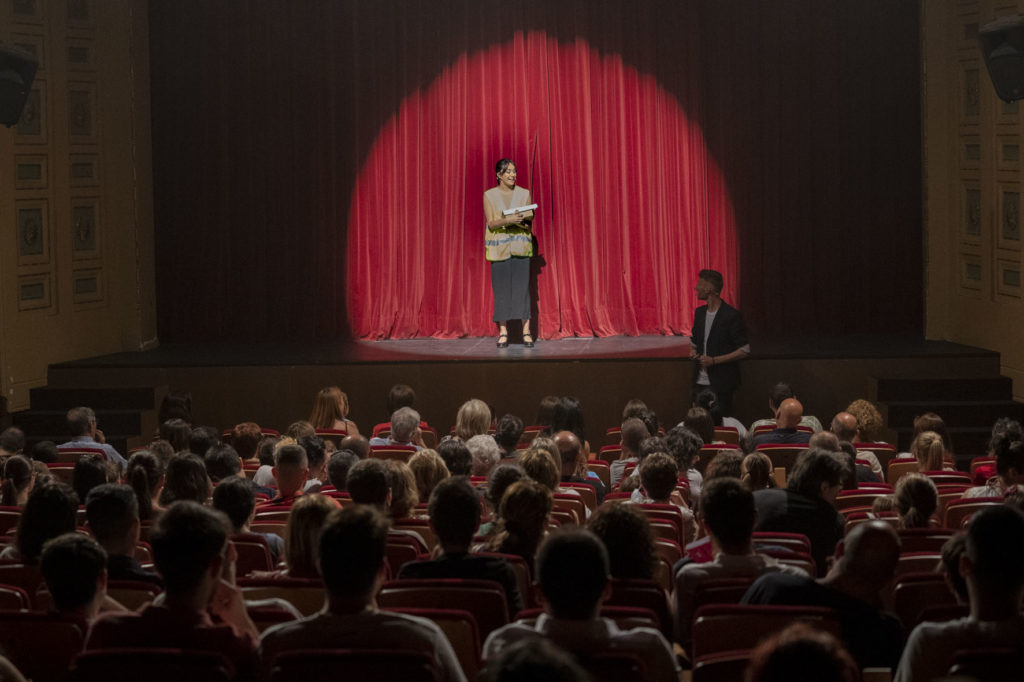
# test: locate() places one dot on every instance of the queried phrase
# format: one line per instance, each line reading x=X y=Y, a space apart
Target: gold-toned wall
x=76 y=207
x=973 y=161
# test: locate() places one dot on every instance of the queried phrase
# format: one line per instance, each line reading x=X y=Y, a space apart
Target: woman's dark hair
x=502 y=166
x=17 y=475
x=45 y=451
x=400 y=396
x=707 y=399
x=49 y=512
x=522 y=519
x=176 y=405
x=143 y=474
x=177 y=432
x=499 y=480
x=633 y=408
x=90 y=471
x=627 y=535
x=546 y=410
x=185 y=479
x=568 y=416
x=699 y=421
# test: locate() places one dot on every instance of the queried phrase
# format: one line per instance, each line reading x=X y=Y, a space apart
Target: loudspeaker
x=1002 y=45
x=17 y=71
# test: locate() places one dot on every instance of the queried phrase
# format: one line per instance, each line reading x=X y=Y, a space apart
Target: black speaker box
x=17 y=71
x=1002 y=45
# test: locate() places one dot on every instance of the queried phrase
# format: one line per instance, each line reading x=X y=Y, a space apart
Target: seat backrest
x=721 y=627
x=152 y=665
x=571 y=503
x=524 y=581
x=856 y=498
x=789 y=557
x=586 y=492
x=609 y=453
x=721 y=591
x=72 y=455
x=782 y=455
x=987 y=664
x=460 y=627
x=911 y=593
x=14 y=598
x=253 y=553
x=727 y=434
x=612 y=666
x=264 y=615
x=794 y=541
x=305 y=595
x=402 y=453
x=41 y=645
x=273 y=514
x=485 y=599
x=960 y=510
x=132 y=593
x=948 y=477
x=62 y=471
x=419 y=526
x=898 y=468
x=397 y=554
x=333 y=435
x=923 y=539
x=25 y=576
x=725 y=666
x=645 y=594
x=915 y=562
x=9 y=518
x=603 y=471
x=369 y=665
x=856 y=518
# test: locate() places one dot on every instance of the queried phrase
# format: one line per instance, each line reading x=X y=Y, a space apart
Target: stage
x=274 y=384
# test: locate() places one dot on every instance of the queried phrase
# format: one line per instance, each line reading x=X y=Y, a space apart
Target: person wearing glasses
x=508 y=245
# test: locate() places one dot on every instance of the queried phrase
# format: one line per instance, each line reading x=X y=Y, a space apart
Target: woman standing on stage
x=508 y=245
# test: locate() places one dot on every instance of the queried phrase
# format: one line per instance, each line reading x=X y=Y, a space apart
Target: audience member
x=177 y=432
x=546 y=411
x=522 y=520
x=338 y=467
x=780 y=392
x=633 y=408
x=568 y=416
x=929 y=452
x=869 y=421
x=235 y=499
x=865 y=563
x=368 y=483
x=404 y=495
x=316 y=460
x=86 y=434
x=707 y=399
x=291 y=469
x=191 y=552
x=952 y=550
x=456 y=456
x=573 y=573
x=727 y=515
x=186 y=479
x=659 y=477
x=844 y=426
x=405 y=430
x=699 y=421
x=351 y=557
x=991 y=565
x=89 y=472
x=725 y=464
x=145 y=475
x=484 y=453
x=757 y=472
x=74 y=567
x=202 y=439
x=246 y=438
x=570 y=455
x=428 y=469
x=12 y=442
x=455 y=515
x=801 y=653
x=917 y=498
x=503 y=476
x=112 y=511
x=684 y=446
x=300 y=429
x=629 y=540
x=45 y=451
x=807 y=504
x=19 y=477
x=265 y=451
x=49 y=511
x=163 y=450
x=632 y=434
x=305 y=522
x=176 y=404
x=330 y=411
x=473 y=419
x=510 y=430
x=786 y=431
x=1009 y=470
x=533 y=660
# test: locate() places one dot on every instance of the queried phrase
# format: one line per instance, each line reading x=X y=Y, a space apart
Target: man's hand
x=100 y=438
x=706 y=361
x=693 y=352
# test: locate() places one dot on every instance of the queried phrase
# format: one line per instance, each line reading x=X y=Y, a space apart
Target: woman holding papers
x=508 y=245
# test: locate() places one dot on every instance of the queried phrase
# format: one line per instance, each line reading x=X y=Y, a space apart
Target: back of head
x=17 y=475
x=368 y=482
x=80 y=421
x=502 y=476
x=523 y=517
x=428 y=469
x=300 y=429
x=400 y=395
x=235 y=498
x=404 y=423
x=163 y=451
x=509 y=431
x=650 y=420
x=813 y=468
x=757 y=471
x=790 y=413
x=186 y=539
x=727 y=508
x=202 y=439
x=569 y=448
x=534 y=659
x=801 y=653
x=546 y=410
x=628 y=538
x=540 y=466
x=316 y=451
x=12 y=440
x=338 y=466
x=357 y=444
x=659 y=476
x=779 y=392
x=1009 y=457
x=651 y=445
x=143 y=474
x=700 y=422
x=869 y=419
x=301 y=542
x=456 y=456
x=633 y=433
x=483 y=450
x=929 y=421
x=634 y=408
x=328 y=407
x=995 y=547
x=50 y=511
x=917 y=498
x=569 y=417
x=871 y=552
x=111 y=510
x=683 y=445
x=352 y=547
x=714 y=278
x=245 y=438
x=708 y=400
x=186 y=479
x=45 y=451
x=1004 y=431
x=90 y=471
x=929 y=451
x=726 y=464
x=404 y=495
x=290 y=468
x=824 y=440
x=844 y=425
x=952 y=550
x=455 y=511
x=572 y=569
x=265 y=450
x=177 y=432
x=71 y=565
x=222 y=462
x=473 y=419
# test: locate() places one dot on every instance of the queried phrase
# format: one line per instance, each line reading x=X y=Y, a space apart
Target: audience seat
x=724 y=666
x=399 y=553
x=266 y=615
x=898 y=468
x=948 y=477
x=570 y=503
x=62 y=471
x=608 y=666
x=923 y=539
x=721 y=591
x=401 y=453
x=253 y=553
x=528 y=435
x=709 y=452
x=25 y=576
x=723 y=627
x=151 y=665
x=485 y=599
x=795 y=541
x=789 y=557
x=561 y=517
x=460 y=628
x=645 y=594
x=765 y=428
x=959 y=511
x=419 y=526
x=272 y=513
x=855 y=518
x=72 y=455
x=132 y=593
x=603 y=471
x=884 y=452
x=669 y=550
x=586 y=491
x=918 y=562
x=524 y=579
x=333 y=435
x=14 y=598
x=913 y=592
x=276 y=527
x=727 y=434
x=948 y=493
x=784 y=456
x=304 y=594
x=942 y=613
x=610 y=453
x=9 y=518
x=366 y=665
x=987 y=664
x=858 y=498
x=41 y=645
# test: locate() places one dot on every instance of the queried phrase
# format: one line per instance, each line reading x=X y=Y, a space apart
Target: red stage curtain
x=631 y=204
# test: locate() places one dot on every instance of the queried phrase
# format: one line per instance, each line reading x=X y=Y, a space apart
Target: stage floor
x=484 y=350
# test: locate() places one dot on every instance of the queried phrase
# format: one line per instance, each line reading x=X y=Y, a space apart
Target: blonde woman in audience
x=930 y=452
x=522 y=520
x=473 y=419
x=404 y=495
x=428 y=469
x=301 y=541
x=18 y=480
x=756 y=472
x=916 y=498
x=330 y=411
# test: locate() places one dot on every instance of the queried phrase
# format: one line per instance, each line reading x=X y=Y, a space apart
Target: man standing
x=718 y=341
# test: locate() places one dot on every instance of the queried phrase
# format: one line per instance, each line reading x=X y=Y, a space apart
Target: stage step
x=126 y=415
x=979 y=388
x=956 y=413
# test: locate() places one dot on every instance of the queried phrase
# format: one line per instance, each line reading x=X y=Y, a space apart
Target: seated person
x=316 y=458
x=338 y=467
x=113 y=514
x=235 y=499
x=573 y=573
x=528 y=661
x=405 y=430
x=570 y=451
x=991 y=565
x=801 y=652
x=807 y=504
x=727 y=514
x=507 y=434
x=428 y=469
x=684 y=447
x=74 y=567
x=627 y=535
x=456 y=456
x=291 y=469
x=1007 y=446
x=659 y=477
x=50 y=511
x=780 y=392
x=484 y=453
x=246 y=439
x=360 y=445
x=844 y=427
x=785 y=432
x=632 y=434
x=916 y=499
x=369 y=483
x=454 y=515
x=352 y=562
x=192 y=553
x=865 y=563
x=223 y=462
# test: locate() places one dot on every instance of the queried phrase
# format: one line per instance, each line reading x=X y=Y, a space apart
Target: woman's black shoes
x=503 y=341
x=528 y=340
